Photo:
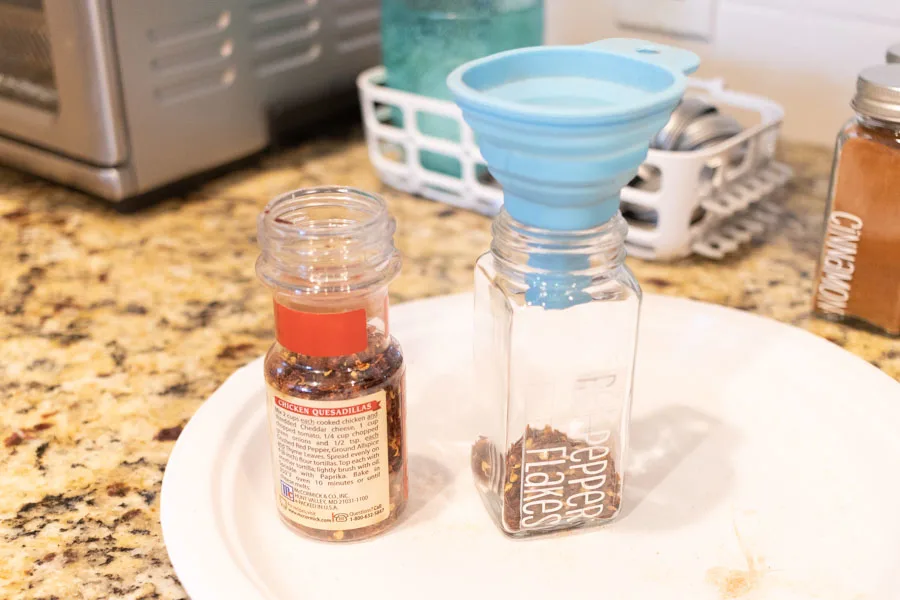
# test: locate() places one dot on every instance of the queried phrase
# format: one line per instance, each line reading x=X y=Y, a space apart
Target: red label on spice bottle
x=321 y=334
x=346 y=411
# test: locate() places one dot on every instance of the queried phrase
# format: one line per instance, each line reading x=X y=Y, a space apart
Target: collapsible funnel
x=564 y=128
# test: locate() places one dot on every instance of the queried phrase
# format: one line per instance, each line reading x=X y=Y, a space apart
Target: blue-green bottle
x=423 y=40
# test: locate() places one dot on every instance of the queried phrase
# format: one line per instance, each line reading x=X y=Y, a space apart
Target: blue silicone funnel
x=564 y=128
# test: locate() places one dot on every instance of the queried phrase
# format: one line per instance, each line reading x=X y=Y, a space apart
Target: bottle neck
x=520 y=251
x=326 y=242
x=879 y=125
x=328 y=255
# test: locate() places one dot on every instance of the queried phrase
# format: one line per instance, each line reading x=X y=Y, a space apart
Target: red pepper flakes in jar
x=335 y=377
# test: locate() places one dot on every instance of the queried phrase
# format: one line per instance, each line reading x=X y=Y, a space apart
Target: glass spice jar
x=563 y=129
x=335 y=377
x=858 y=276
x=556 y=317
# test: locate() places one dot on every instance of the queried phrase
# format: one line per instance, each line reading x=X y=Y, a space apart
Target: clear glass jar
x=556 y=317
x=858 y=276
x=423 y=40
x=335 y=376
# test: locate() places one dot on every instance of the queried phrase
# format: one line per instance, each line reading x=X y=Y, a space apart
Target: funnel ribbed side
x=564 y=129
x=564 y=177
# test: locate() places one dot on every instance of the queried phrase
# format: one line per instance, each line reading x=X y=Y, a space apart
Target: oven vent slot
x=284 y=35
x=192 y=59
x=358 y=26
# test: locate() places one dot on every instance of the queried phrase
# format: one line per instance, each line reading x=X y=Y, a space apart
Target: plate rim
x=201 y=573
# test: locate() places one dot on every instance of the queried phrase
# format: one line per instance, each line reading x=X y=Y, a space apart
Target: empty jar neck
x=521 y=250
x=326 y=244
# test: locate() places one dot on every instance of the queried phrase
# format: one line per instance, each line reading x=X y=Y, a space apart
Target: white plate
x=764 y=464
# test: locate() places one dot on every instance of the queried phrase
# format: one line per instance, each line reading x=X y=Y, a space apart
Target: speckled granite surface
x=114 y=329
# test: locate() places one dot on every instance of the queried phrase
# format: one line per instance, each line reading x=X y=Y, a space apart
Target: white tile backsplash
x=872 y=10
x=805 y=54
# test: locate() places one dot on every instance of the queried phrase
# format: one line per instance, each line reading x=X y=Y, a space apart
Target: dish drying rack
x=708 y=202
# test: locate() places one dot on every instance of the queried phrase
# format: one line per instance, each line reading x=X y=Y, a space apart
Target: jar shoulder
x=885 y=134
x=335 y=378
x=613 y=282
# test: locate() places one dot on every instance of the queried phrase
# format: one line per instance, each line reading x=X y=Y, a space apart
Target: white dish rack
x=709 y=201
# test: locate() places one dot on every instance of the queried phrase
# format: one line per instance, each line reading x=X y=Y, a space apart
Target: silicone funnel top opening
x=563 y=129
x=566 y=84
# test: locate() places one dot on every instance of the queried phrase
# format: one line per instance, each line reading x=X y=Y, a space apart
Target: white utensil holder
x=735 y=183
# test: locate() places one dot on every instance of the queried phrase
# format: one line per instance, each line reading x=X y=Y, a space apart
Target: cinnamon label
x=859 y=267
x=838 y=262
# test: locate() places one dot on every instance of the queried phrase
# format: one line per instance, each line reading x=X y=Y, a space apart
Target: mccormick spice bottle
x=858 y=277
x=335 y=378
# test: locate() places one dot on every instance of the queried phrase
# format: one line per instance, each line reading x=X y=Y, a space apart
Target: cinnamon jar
x=335 y=377
x=858 y=276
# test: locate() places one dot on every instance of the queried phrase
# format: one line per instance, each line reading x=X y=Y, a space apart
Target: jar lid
x=878 y=93
x=893 y=54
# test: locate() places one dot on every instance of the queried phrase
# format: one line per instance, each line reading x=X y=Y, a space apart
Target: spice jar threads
x=335 y=377
x=858 y=276
x=556 y=332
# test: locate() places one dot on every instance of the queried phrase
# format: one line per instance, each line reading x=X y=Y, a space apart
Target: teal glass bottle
x=424 y=40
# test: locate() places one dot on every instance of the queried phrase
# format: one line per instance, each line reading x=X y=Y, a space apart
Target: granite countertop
x=114 y=329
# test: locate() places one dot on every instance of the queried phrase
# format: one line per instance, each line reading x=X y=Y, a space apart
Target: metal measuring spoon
x=707 y=130
x=688 y=111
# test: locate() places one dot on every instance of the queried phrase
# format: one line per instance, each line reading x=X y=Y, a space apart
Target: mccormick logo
x=287 y=490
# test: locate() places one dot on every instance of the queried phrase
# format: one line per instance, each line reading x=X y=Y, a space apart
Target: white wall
x=805 y=54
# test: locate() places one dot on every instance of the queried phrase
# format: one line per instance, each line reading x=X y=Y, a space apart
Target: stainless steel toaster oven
x=121 y=97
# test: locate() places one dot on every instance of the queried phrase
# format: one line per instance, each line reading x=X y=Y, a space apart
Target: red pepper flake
x=169 y=434
x=234 y=351
x=657 y=281
x=14 y=439
x=16 y=214
x=42 y=426
x=130 y=514
x=117 y=489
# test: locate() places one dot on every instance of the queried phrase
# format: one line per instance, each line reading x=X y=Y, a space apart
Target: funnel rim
x=470 y=98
